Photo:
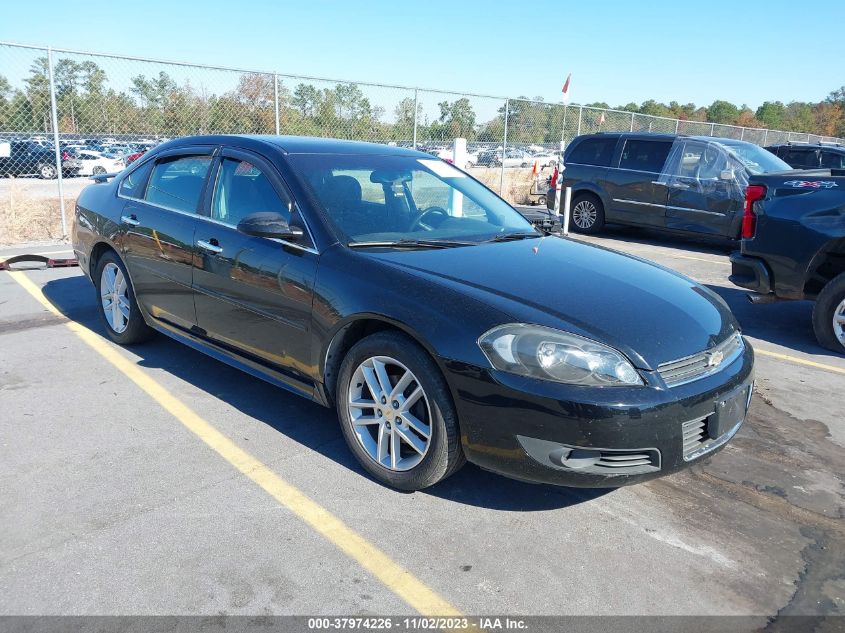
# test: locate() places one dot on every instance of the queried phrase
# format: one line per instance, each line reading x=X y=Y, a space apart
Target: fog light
x=576 y=458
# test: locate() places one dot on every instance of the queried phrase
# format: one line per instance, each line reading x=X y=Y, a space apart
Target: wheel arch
x=347 y=333
x=827 y=264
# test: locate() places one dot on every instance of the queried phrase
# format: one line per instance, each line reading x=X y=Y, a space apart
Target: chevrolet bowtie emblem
x=715 y=358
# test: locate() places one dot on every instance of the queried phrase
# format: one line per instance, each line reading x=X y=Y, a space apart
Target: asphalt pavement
x=114 y=500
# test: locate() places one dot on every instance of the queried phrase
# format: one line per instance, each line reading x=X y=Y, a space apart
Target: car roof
x=828 y=146
x=294 y=144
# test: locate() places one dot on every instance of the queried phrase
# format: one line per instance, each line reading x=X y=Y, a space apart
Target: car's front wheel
x=46 y=171
x=587 y=214
x=829 y=315
x=396 y=412
x=118 y=309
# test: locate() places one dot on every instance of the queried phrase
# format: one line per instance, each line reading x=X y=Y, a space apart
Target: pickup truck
x=793 y=245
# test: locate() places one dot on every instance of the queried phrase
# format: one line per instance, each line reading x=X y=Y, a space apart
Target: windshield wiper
x=409 y=243
x=510 y=237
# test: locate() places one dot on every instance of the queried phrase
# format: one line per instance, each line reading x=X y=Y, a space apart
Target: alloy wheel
x=584 y=214
x=48 y=171
x=390 y=413
x=114 y=295
x=839 y=323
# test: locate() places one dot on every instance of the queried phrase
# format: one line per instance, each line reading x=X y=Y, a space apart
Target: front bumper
x=751 y=273
x=546 y=432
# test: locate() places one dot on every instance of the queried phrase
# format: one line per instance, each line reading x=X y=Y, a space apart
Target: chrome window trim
x=674 y=208
x=234 y=227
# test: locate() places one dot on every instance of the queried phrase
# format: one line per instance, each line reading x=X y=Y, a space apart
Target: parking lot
x=154 y=480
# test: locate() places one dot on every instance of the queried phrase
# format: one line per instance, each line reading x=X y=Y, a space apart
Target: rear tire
x=829 y=315
x=435 y=450
x=124 y=323
x=587 y=214
x=99 y=169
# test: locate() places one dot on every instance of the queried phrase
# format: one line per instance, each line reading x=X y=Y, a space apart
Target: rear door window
x=177 y=182
x=833 y=160
x=593 y=151
x=133 y=185
x=802 y=158
x=643 y=155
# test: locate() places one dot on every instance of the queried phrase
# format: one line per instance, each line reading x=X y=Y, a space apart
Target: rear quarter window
x=593 y=151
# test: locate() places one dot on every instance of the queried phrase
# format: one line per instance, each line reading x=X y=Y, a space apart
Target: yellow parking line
x=395 y=577
x=799 y=361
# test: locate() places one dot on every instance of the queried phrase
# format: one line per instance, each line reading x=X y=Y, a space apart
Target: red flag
x=534 y=171
x=565 y=90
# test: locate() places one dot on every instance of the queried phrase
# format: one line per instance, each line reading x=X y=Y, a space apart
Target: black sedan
x=442 y=326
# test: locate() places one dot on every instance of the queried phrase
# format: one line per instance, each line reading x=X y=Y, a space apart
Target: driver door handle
x=131 y=220
x=211 y=246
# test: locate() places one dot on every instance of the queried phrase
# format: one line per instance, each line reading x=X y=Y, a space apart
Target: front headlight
x=548 y=354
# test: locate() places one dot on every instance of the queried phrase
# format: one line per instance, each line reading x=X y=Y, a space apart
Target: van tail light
x=749 y=219
x=65 y=155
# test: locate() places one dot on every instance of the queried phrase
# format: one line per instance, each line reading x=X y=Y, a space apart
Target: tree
x=654 y=108
x=771 y=114
x=457 y=119
x=722 y=112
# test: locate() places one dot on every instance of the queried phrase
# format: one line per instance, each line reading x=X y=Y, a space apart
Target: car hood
x=648 y=312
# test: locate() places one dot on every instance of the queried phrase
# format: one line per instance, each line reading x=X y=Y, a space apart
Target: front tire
x=587 y=214
x=829 y=315
x=46 y=171
x=397 y=414
x=118 y=309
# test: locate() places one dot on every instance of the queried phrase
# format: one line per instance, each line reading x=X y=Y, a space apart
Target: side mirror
x=270 y=225
x=727 y=174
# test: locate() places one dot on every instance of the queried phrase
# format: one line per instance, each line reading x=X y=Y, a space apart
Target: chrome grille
x=694 y=435
x=689 y=368
x=647 y=460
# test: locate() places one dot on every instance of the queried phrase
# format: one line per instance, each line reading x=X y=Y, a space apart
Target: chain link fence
x=66 y=115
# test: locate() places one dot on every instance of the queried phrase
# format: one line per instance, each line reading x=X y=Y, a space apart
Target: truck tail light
x=749 y=218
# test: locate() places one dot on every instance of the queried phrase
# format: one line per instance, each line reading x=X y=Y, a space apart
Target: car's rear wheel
x=396 y=412
x=118 y=309
x=541 y=200
x=46 y=171
x=829 y=315
x=587 y=214
x=99 y=169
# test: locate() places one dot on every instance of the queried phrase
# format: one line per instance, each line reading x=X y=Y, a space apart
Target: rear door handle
x=211 y=246
x=131 y=220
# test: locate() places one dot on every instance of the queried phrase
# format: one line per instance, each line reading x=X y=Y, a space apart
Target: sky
x=744 y=52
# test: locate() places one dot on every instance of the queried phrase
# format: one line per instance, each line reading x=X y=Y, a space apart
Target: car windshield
x=756 y=159
x=393 y=198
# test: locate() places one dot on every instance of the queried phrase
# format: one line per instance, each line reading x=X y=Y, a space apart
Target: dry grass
x=517 y=182
x=26 y=218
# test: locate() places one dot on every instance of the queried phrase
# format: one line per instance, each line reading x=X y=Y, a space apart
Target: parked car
x=793 y=246
x=354 y=275
x=27 y=158
x=88 y=163
x=512 y=157
x=543 y=159
x=806 y=156
x=688 y=184
x=131 y=158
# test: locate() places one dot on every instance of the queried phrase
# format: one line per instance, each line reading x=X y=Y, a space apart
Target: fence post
x=742 y=134
x=276 y=99
x=504 y=150
x=580 y=116
x=632 y=121
x=416 y=109
x=712 y=129
x=766 y=137
x=677 y=125
x=58 y=150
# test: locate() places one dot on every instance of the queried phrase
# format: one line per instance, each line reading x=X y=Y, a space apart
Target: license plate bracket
x=728 y=413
